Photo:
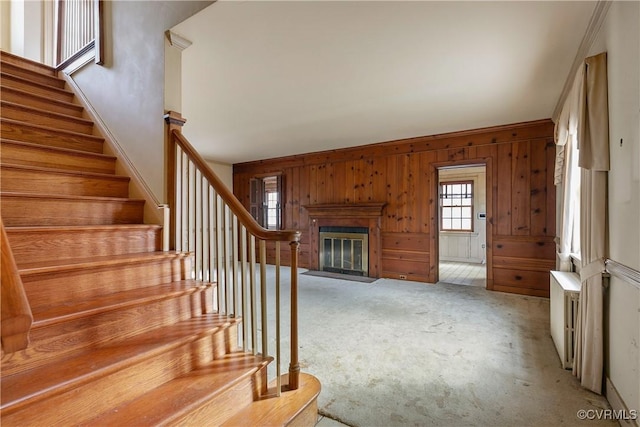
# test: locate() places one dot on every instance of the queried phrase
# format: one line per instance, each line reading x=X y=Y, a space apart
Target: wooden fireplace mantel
x=367 y=215
x=343 y=210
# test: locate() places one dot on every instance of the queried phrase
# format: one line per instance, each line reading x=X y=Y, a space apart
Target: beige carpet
x=399 y=353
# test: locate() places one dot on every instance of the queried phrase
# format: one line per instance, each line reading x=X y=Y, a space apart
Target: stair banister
x=187 y=173
x=16 y=311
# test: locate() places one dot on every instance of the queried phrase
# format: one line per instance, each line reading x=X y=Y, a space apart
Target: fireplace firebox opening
x=344 y=250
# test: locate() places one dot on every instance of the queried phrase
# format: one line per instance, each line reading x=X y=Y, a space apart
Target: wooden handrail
x=232 y=201
x=193 y=215
x=16 y=311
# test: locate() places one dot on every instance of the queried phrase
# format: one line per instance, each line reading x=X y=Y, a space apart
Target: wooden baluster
x=263 y=298
x=294 y=365
x=252 y=294
x=278 y=379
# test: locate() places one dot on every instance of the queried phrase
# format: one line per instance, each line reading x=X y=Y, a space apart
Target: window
x=456 y=206
x=266 y=201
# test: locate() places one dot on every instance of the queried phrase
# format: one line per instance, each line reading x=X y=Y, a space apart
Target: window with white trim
x=456 y=206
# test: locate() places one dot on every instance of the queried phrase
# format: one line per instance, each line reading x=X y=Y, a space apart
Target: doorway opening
x=462 y=225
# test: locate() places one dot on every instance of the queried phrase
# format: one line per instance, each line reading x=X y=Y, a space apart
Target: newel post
x=174 y=121
x=294 y=365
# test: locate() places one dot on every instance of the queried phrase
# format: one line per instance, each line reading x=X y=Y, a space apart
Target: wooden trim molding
x=343 y=210
x=367 y=215
x=623 y=272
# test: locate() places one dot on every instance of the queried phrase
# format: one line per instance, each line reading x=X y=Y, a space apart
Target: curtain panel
x=582 y=137
x=593 y=140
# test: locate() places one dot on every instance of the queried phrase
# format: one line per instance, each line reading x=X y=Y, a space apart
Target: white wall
x=463 y=246
x=128 y=92
x=620 y=38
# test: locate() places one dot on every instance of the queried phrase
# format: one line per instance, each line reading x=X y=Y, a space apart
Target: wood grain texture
x=41 y=102
x=38 y=116
x=19 y=82
x=26 y=64
x=42 y=135
x=520 y=196
x=16 y=311
x=29 y=179
x=121 y=336
x=28 y=154
x=47 y=244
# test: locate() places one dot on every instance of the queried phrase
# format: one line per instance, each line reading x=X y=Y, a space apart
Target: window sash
x=456 y=206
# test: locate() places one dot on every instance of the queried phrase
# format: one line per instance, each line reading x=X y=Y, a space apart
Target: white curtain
x=567 y=174
x=593 y=139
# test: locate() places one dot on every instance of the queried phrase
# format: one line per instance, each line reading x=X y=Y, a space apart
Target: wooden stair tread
x=64 y=171
x=174 y=399
x=51 y=114
x=67 y=197
x=59 y=376
x=45 y=316
x=4 y=75
x=281 y=410
x=26 y=63
x=54 y=130
x=70 y=105
x=96 y=262
x=58 y=228
x=80 y=153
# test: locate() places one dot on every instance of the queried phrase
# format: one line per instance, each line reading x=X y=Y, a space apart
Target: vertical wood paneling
x=538 y=191
x=293 y=198
x=521 y=200
x=550 y=149
x=341 y=193
x=390 y=223
x=313 y=184
x=379 y=184
x=520 y=189
x=503 y=205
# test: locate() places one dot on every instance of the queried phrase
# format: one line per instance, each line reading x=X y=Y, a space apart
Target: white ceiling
x=265 y=79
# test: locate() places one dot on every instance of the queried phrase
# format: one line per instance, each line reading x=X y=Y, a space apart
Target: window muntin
x=456 y=206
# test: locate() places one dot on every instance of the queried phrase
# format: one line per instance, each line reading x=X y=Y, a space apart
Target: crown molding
x=597 y=18
x=178 y=41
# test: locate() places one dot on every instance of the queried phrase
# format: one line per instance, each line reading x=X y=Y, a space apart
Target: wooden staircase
x=121 y=335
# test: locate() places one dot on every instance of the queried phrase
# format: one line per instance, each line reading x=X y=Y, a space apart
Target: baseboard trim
x=617 y=404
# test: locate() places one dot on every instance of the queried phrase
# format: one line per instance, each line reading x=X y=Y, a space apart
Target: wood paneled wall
x=403 y=174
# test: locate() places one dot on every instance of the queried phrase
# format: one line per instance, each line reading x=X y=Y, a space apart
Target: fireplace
x=353 y=242
x=344 y=250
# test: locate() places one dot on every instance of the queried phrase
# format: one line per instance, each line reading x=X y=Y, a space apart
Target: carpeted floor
x=400 y=353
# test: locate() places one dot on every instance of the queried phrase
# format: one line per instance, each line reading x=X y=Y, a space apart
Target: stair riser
x=47 y=91
x=35 y=247
x=42 y=136
x=42 y=118
x=220 y=408
x=100 y=330
x=26 y=211
x=29 y=155
x=37 y=181
x=26 y=64
x=66 y=286
x=103 y=394
x=32 y=75
x=22 y=98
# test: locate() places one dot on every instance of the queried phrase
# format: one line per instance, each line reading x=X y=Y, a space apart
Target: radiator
x=563 y=304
